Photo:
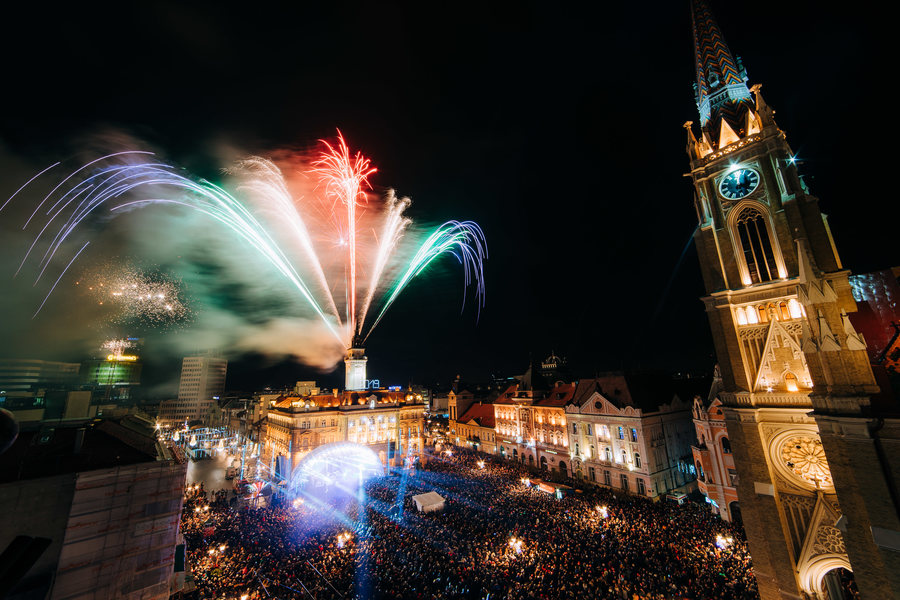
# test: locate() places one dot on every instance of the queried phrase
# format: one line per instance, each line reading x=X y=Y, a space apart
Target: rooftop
x=47 y=451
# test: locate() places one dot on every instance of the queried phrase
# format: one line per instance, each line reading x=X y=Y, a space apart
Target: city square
x=349 y=301
x=497 y=537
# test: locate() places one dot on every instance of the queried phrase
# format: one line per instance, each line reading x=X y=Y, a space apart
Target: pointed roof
x=721 y=88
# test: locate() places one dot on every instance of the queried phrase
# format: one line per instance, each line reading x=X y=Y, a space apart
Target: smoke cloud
x=238 y=302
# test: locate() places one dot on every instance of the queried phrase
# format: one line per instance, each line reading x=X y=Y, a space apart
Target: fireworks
x=358 y=238
x=135 y=296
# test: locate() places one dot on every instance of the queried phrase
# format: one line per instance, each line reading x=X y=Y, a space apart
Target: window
x=621 y=433
x=607 y=479
x=624 y=482
x=790 y=382
x=592 y=473
x=726 y=445
x=608 y=455
x=700 y=472
x=633 y=434
x=756 y=246
x=575 y=428
x=576 y=449
x=588 y=428
x=624 y=457
x=785 y=313
x=641 y=489
x=637 y=460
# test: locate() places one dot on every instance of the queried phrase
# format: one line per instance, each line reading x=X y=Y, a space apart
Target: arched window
x=752 y=315
x=741 y=317
x=637 y=460
x=794 y=307
x=726 y=445
x=790 y=382
x=785 y=313
x=763 y=314
x=608 y=455
x=700 y=472
x=756 y=245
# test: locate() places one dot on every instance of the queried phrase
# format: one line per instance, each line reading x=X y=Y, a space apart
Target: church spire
x=721 y=87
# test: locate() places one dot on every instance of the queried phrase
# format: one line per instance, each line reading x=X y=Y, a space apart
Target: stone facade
x=713 y=459
x=816 y=463
x=390 y=423
x=618 y=442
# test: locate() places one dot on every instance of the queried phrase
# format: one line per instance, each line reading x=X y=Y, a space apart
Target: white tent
x=429 y=501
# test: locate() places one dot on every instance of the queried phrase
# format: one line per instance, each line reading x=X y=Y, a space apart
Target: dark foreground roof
x=50 y=450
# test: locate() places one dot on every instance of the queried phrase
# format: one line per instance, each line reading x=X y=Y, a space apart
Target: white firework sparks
x=136 y=295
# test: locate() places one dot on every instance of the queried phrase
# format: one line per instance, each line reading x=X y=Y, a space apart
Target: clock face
x=738 y=183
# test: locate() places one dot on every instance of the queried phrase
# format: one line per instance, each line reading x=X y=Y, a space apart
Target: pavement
x=211 y=472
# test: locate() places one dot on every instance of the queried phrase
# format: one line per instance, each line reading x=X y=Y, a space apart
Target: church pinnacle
x=722 y=96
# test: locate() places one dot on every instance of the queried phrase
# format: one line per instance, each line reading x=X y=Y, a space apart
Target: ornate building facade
x=816 y=465
x=632 y=437
x=713 y=460
x=475 y=429
x=391 y=423
x=531 y=425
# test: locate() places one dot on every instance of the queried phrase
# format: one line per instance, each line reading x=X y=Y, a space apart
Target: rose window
x=805 y=457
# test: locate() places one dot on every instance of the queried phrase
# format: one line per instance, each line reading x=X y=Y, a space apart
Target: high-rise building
x=202 y=383
x=816 y=460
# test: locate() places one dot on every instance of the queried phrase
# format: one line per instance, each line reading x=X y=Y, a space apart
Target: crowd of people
x=496 y=538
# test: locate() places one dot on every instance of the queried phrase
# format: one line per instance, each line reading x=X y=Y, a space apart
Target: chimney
x=79 y=440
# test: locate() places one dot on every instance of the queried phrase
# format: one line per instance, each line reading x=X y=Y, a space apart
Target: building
x=815 y=454
x=24 y=383
x=99 y=504
x=632 y=432
x=25 y=376
x=202 y=383
x=355 y=368
x=530 y=421
x=114 y=377
x=391 y=423
x=475 y=429
x=713 y=460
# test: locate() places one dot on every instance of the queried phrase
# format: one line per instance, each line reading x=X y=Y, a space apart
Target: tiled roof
x=483 y=414
x=558 y=396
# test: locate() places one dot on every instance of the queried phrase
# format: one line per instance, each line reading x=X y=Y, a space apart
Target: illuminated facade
x=809 y=449
x=391 y=423
x=475 y=429
x=713 y=460
x=630 y=437
x=531 y=425
x=355 y=369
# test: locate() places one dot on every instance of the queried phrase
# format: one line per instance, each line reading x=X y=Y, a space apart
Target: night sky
x=555 y=127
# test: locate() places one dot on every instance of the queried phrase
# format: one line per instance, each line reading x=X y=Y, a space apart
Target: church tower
x=816 y=470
